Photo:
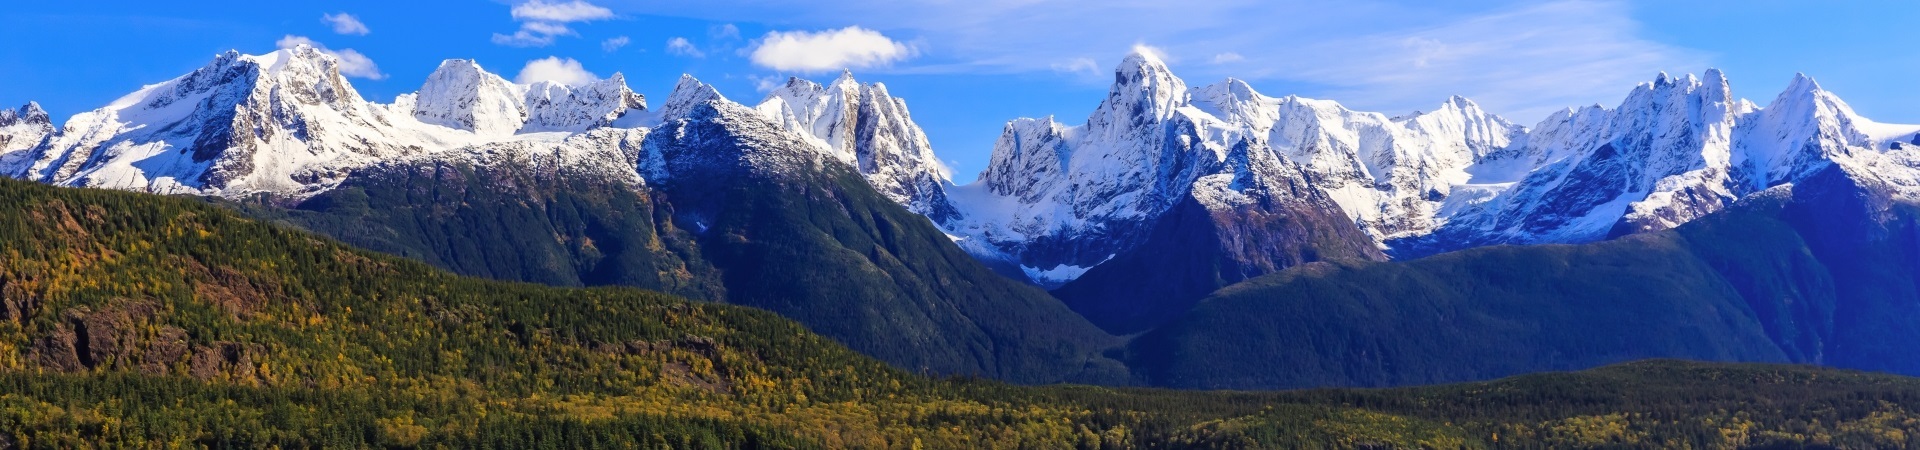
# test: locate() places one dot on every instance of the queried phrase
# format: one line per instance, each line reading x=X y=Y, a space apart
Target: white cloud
x=1228 y=57
x=615 y=43
x=542 y=23
x=565 y=71
x=344 y=23
x=574 y=11
x=846 y=48
x=352 y=63
x=1077 y=65
x=1151 y=51
x=723 y=32
x=767 y=83
x=681 y=46
x=527 y=37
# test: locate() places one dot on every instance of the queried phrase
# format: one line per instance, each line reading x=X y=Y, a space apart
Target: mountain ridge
x=1232 y=184
x=134 y=320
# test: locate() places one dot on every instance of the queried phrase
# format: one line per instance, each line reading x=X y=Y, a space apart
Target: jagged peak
x=465 y=72
x=1143 y=88
x=1461 y=103
x=1230 y=88
x=1454 y=104
x=845 y=80
x=1143 y=59
x=1717 y=87
x=1803 y=84
x=688 y=93
x=298 y=55
x=1144 y=66
x=1713 y=75
x=29 y=113
x=1025 y=123
x=458 y=65
x=460 y=94
x=1804 y=95
x=797 y=84
x=549 y=89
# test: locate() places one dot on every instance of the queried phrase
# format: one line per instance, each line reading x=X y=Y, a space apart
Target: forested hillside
x=1822 y=273
x=816 y=244
x=133 y=320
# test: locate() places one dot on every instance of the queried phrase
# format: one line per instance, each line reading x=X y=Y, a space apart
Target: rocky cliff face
x=1258 y=216
x=21 y=130
x=864 y=126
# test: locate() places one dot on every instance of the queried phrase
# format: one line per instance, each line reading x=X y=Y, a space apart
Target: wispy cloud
x=724 y=32
x=845 y=48
x=1077 y=65
x=565 y=71
x=614 y=44
x=1524 y=62
x=683 y=47
x=352 y=63
x=766 y=84
x=542 y=23
x=344 y=23
x=1516 y=57
x=574 y=11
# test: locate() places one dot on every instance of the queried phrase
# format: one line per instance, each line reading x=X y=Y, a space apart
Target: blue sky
x=967 y=66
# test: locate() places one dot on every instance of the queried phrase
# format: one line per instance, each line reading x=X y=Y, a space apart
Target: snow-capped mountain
x=1676 y=149
x=288 y=124
x=21 y=130
x=771 y=207
x=1058 y=199
x=864 y=126
x=463 y=96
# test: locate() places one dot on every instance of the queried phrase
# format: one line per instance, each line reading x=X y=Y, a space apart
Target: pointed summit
x=687 y=94
x=1144 y=91
x=1716 y=87
x=463 y=96
x=21 y=130
x=28 y=114
x=1802 y=84
x=845 y=80
x=1231 y=88
x=33 y=114
x=1461 y=102
x=1143 y=65
x=1229 y=98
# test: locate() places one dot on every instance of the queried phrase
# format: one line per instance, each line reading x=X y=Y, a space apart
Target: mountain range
x=136 y=320
x=826 y=204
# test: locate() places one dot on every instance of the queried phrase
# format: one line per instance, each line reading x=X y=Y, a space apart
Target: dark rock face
x=738 y=210
x=1260 y=219
x=1194 y=250
x=113 y=337
x=1819 y=273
